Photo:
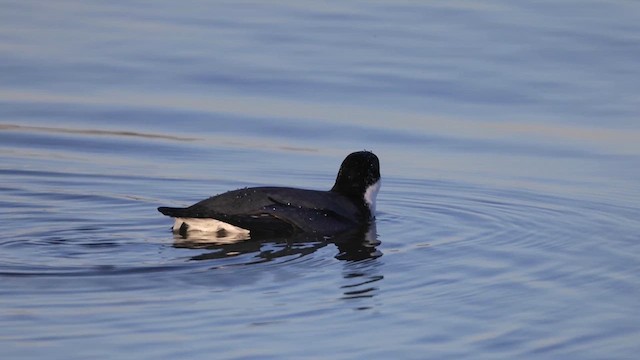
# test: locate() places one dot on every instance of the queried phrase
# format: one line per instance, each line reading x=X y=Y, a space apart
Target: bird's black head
x=359 y=177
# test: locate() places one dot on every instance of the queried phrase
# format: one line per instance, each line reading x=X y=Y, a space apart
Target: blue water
x=508 y=221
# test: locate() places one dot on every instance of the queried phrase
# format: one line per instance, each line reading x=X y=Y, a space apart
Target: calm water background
x=508 y=134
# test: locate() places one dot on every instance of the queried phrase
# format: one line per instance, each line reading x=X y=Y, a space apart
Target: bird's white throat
x=370 y=196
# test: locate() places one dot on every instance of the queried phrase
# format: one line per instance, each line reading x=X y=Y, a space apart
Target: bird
x=259 y=212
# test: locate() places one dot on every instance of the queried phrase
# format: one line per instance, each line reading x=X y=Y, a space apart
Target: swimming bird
x=280 y=211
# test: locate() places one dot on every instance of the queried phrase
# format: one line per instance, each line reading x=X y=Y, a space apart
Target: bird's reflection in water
x=362 y=272
x=352 y=246
x=357 y=251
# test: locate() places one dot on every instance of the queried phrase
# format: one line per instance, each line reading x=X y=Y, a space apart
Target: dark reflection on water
x=356 y=250
x=363 y=279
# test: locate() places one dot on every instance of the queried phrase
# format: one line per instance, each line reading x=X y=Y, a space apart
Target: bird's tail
x=173 y=212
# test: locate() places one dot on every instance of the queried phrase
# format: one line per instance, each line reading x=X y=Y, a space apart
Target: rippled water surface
x=508 y=221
